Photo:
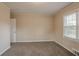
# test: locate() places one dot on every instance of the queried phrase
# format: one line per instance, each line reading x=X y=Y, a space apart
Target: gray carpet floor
x=37 y=49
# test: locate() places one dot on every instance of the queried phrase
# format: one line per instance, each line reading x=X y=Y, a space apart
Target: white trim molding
x=4 y=50
x=64 y=47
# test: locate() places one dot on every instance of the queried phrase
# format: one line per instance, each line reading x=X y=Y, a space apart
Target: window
x=70 y=25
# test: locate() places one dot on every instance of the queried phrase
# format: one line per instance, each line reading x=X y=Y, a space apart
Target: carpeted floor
x=37 y=49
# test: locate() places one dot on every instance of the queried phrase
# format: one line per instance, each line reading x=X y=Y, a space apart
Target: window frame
x=77 y=24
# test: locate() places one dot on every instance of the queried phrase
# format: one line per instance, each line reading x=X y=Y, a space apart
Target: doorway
x=13 y=30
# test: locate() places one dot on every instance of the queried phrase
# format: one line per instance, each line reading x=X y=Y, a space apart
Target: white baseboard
x=35 y=41
x=4 y=50
x=64 y=47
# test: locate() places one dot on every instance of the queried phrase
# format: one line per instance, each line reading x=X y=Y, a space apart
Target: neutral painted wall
x=32 y=27
x=66 y=42
x=4 y=28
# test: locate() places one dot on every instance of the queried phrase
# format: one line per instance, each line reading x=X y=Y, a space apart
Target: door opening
x=13 y=30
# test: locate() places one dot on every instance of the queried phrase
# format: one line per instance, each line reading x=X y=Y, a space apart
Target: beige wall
x=32 y=27
x=4 y=28
x=66 y=42
x=36 y=27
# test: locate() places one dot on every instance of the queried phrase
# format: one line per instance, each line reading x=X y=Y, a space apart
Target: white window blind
x=70 y=25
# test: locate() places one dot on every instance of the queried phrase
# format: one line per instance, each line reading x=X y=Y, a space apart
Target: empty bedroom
x=39 y=28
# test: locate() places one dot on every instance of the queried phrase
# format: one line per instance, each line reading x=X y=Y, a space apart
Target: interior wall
x=32 y=27
x=4 y=28
x=68 y=43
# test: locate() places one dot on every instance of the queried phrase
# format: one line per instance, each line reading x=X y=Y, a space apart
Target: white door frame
x=13 y=30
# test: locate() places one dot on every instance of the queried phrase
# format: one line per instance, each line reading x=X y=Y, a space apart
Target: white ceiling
x=36 y=7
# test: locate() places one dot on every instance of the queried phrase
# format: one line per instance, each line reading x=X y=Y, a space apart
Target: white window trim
x=77 y=28
x=77 y=23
